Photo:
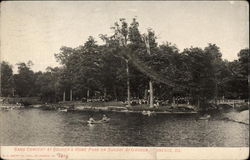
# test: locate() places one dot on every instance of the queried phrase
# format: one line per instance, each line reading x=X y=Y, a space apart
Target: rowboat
x=63 y=110
x=99 y=122
x=147 y=113
x=204 y=117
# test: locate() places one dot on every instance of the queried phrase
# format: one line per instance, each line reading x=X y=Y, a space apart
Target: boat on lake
x=147 y=113
x=63 y=110
x=99 y=121
x=205 y=117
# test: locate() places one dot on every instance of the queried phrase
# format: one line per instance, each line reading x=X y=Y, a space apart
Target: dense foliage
x=92 y=71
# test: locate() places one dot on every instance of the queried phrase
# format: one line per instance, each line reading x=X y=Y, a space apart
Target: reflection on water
x=40 y=127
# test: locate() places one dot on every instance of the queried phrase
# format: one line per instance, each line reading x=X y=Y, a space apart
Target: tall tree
x=24 y=81
x=6 y=79
x=121 y=35
x=214 y=53
x=244 y=59
x=202 y=84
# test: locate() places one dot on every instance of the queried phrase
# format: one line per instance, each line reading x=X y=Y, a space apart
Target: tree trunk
x=216 y=93
x=115 y=94
x=128 y=84
x=105 y=93
x=150 y=82
x=146 y=94
x=71 y=95
x=55 y=96
x=13 y=92
x=63 y=96
x=88 y=94
x=198 y=103
x=151 y=94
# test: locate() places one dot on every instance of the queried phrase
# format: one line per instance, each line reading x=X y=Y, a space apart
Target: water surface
x=54 y=128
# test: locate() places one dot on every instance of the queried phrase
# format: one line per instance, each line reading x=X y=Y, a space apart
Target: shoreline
x=119 y=107
x=108 y=108
x=233 y=115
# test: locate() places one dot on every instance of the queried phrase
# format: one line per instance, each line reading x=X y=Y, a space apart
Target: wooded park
x=128 y=66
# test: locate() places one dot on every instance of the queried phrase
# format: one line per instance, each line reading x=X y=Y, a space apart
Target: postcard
x=124 y=80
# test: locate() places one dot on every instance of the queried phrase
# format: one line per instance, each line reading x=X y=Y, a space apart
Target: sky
x=36 y=30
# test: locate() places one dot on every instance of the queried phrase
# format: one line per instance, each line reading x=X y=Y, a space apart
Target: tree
x=24 y=81
x=121 y=36
x=81 y=68
x=244 y=59
x=89 y=66
x=215 y=55
x=244 y=62
x=149 y=37
x=202 y=84
x=239 y=76
x=47 y=84
x=6 y=79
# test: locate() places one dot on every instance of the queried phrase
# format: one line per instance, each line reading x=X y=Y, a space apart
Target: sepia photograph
x=124 y=77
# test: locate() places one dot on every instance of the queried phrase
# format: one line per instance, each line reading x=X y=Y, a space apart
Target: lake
x=38 y=127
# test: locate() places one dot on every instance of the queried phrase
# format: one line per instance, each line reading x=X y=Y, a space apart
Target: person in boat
x=91 y=119
x=148 y=113
x=105 y=118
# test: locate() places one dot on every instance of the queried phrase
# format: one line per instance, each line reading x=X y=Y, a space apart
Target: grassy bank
x=115 y=106
x=23 y=100
x=120 y=106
